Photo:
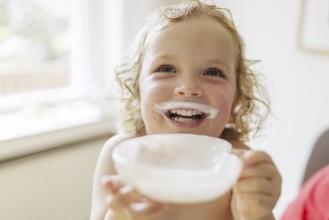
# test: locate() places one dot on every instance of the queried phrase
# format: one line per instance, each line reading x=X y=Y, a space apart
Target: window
x=55 y=63
x=34 y=45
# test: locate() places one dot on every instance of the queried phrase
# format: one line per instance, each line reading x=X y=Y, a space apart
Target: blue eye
x=165 y=69
x=214 y=72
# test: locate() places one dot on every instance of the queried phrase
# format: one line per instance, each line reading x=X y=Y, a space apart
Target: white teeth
x=186 y=108
x=183 y=120
x=183 y=112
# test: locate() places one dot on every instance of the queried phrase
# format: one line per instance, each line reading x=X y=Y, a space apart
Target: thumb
x=243 y=154
x=240 y=153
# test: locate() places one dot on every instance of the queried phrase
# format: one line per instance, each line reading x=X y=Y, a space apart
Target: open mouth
x=186 y=112
x=185 y=115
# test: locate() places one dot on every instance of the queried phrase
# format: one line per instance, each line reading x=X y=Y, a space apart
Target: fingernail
x=109 y=183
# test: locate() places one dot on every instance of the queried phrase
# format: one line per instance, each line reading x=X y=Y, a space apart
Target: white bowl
x=178 y=168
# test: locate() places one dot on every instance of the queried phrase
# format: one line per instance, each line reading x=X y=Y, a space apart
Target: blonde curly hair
x=252 y=106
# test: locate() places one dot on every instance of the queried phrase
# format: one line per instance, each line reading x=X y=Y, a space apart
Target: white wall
x=50 y=186
x=297 y=80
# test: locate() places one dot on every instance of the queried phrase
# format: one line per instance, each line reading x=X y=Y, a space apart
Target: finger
x=122 y=196
x=137 y=203
x=255 y=185
x=126 y=197
x=259 y=186
x=261 y=170
x=252 y=157
x=265 y=169
x=256 y=157
x=147 y=207
x=115 y=202
x=112 y=183
x=258 y=164
x=248 y=201
x=129 y=194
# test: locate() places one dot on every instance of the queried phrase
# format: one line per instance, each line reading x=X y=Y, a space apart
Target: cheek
x=224 y=101
x=151 y=90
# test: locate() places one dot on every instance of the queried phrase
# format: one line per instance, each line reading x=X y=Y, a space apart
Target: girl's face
x=189 y=63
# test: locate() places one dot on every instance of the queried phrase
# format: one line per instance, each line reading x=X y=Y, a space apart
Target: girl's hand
x=125 y=203
x=258 y=188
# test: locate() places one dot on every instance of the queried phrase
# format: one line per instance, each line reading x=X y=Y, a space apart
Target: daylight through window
x=34 y=45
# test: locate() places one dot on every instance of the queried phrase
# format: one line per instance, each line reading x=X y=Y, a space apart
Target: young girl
x=189 y=57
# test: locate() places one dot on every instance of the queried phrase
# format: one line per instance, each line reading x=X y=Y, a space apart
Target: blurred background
x=57 y=98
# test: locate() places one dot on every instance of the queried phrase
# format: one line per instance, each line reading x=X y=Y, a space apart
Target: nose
x=189 y=87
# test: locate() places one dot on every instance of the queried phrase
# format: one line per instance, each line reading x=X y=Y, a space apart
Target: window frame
x=94 y=63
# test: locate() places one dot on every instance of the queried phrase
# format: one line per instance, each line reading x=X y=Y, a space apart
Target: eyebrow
x=163 y=56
